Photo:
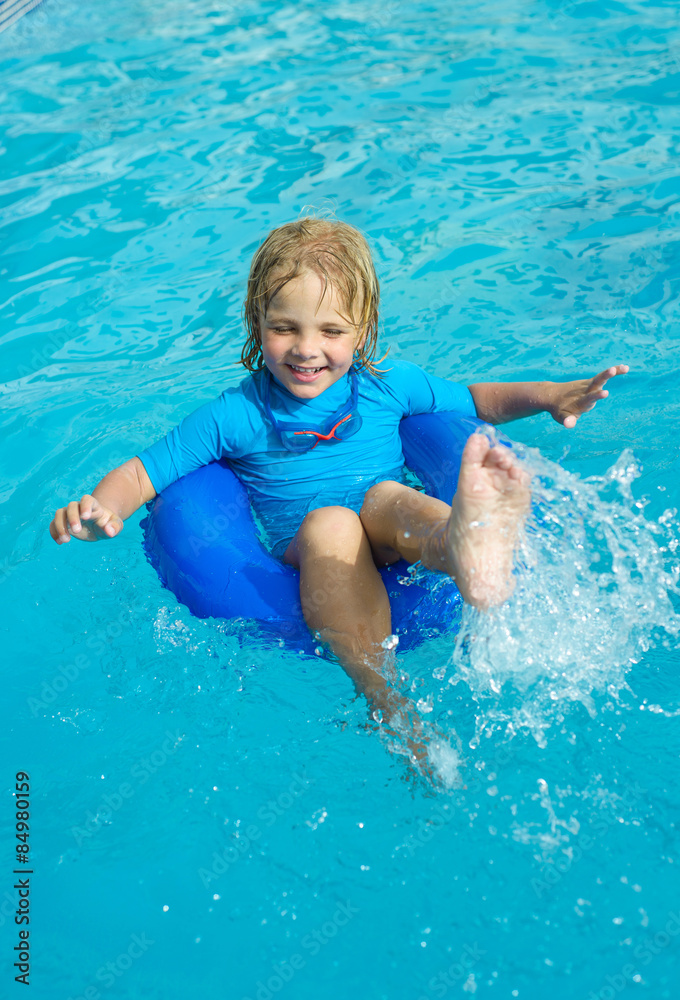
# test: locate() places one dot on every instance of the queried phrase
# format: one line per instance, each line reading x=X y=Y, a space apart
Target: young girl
x=313 y=432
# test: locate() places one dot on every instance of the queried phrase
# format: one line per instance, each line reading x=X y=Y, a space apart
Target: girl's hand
x=86 y=520
x=571 y=399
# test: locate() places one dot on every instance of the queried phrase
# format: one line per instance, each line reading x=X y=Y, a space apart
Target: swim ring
x=200 y=536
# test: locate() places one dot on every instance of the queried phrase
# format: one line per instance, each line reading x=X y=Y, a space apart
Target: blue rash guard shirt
x=282 y=485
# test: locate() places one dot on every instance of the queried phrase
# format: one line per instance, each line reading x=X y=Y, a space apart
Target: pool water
x=217 y=817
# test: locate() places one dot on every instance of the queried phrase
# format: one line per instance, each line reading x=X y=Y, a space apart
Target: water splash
x=594 y=590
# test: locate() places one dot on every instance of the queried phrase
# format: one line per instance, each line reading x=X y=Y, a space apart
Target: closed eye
x=289 y=329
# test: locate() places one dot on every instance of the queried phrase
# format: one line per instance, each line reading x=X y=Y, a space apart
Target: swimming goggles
x=341 y=425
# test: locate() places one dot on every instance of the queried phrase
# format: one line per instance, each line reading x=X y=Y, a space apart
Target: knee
x=330 y=529
x=378 y=495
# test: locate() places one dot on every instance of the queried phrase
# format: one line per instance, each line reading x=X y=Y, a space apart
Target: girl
x=313 y=432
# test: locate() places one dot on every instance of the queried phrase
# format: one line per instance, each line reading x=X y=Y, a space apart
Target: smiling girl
x=313 y=432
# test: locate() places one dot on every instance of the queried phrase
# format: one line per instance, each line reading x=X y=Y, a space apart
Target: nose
x=306 y=346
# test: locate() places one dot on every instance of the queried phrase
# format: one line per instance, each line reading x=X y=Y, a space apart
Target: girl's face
x=306 y=344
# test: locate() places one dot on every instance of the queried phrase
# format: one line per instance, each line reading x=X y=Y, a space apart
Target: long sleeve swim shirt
x=284 y=485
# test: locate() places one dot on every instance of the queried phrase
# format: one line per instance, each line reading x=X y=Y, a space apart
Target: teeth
x=296 y=368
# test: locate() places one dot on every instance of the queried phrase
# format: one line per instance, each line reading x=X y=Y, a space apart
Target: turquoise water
x=514 y=165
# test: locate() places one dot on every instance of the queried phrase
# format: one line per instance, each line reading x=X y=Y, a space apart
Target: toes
x=521 y=477
x=499 y=458
x=476 y=449
x=502 y=457
x=495 y=459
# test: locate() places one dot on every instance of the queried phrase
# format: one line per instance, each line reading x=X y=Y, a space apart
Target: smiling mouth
x=306 y=371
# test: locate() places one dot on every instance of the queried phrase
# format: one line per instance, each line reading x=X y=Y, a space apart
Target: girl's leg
x=344 y=599
x=473 y=540
x=342 y=594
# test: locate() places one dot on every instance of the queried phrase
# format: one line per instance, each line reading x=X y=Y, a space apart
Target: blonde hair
x=340 y=255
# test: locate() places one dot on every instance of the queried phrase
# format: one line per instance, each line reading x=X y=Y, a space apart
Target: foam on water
x=594 y=591
x=595 y=583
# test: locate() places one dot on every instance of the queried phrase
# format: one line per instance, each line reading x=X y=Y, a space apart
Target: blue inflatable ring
x=200 y=537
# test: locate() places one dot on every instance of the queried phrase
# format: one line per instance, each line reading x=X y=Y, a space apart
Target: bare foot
x=487 y=513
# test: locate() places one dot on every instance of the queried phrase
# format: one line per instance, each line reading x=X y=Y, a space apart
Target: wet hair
x=335 y=251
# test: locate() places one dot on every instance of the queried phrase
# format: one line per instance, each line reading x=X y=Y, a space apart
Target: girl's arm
x=499 y=402
x=101 y=513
